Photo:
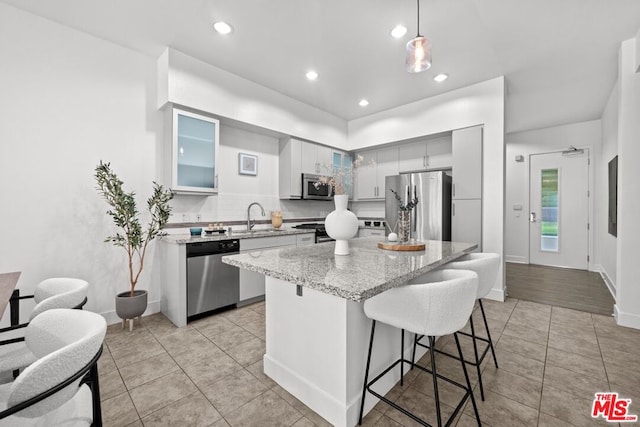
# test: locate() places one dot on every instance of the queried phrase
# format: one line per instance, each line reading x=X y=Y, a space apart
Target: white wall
x=69 y=100
x=557 y=138
x=187 y=81
x=627 y=308
x=479 y=104
x=605 y=243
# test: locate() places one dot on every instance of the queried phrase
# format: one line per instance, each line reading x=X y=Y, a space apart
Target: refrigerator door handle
x=414 y=217
x=453 y=209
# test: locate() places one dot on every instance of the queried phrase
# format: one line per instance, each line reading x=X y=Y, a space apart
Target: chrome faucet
x=249 y=224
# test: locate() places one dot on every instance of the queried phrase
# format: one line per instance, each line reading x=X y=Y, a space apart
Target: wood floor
x=576 y=289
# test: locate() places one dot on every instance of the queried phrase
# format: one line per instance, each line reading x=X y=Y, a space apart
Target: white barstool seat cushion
x=58 y=292
x=486 y=266
x=439 y=305
x=76 y=412
x=64 y=341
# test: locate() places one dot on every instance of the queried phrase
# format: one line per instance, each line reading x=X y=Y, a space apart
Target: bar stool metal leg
x=466 y=377
x=486 y=326
x=475 y=352
x=432 y=342
x=366 y=372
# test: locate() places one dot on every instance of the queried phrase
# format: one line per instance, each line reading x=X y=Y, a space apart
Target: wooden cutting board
x=395 y=246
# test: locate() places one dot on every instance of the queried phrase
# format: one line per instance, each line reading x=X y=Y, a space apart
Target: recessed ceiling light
x=363 y=103
x=222 y=27
x=441 y=77
x=311 y=75
x=398 y=31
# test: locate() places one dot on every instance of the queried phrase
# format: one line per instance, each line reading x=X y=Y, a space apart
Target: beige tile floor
x=552 y=360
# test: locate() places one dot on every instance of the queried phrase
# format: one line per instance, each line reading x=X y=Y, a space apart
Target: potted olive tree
x=131 y=236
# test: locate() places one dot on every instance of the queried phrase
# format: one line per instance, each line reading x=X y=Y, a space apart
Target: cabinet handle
x=453 y=209
x=424 y=161
x=215 y=181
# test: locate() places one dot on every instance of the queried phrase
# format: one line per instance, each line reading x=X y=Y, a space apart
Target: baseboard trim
x=496 y=295
x=607 y=280
x=112 y=318
x=516 y=259
x=626 y=319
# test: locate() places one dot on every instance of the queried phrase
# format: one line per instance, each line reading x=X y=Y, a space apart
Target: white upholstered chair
x=486 y=266
x=60 y=292
x=440 y=305
x=61 y=386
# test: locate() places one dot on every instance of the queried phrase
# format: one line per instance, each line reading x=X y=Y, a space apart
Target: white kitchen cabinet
x=297 y=157
x=290 y=170
x=369 y=232
x=306 y=239
x=194 y=152
x=466 y=148
x=252 y=283
x=466 y=221
x=439 y=154
x=412 y=156
x=370 y=180
x=315 y=158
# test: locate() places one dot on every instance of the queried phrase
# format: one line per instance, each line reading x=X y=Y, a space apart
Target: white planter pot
x=341 y=224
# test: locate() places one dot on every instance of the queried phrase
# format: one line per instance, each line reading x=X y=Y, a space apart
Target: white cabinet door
x=194 y=157
x=439 y=153
x=323 y=159
x=366 y=184
x=466 y=222
x=306 y=239
x=252 y=283
x=368 y=232
x=387 y=165
x=412 y=157
x=308 y=160
x=467 y=163
x=290 y=171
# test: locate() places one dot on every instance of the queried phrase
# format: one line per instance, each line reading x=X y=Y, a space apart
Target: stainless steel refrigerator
x=431 y=218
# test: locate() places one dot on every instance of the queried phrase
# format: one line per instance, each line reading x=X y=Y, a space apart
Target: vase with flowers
x=341 y=224
x=404 y=214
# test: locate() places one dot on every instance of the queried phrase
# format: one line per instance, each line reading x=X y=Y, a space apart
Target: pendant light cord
x=418 y=24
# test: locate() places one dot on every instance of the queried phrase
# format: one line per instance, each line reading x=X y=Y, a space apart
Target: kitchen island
x=316 y=330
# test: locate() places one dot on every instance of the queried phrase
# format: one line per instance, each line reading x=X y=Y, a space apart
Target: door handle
x=532 y=217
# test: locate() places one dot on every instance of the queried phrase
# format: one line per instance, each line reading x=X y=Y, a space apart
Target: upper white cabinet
x=425 y=155
x=194 y=153
x=316 y=159
x=370 y=179
x=297 y=157
x=412 y=156
x=342 y=161
x=467 y=163
x=290 y=170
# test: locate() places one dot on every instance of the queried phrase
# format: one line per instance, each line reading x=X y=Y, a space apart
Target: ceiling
x=559 y=57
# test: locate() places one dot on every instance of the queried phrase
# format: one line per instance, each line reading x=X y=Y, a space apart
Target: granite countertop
x=182 y=239
x=365 y=272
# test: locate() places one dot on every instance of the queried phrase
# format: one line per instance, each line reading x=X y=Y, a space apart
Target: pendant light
x=418 y=51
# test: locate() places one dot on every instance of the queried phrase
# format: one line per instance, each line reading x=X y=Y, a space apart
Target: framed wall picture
x=247 y=164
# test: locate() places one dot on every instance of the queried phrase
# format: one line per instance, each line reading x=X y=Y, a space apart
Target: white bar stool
x=486 y=266
x=440 y=305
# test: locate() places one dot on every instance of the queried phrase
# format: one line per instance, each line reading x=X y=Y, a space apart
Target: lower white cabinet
x=466 y=221
x=368 y=232
x=252 y=283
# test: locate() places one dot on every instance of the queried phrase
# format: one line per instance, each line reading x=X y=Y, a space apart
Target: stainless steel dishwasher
x=210 y=283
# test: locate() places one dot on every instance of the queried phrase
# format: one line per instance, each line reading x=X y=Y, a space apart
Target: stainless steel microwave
x=312 y=189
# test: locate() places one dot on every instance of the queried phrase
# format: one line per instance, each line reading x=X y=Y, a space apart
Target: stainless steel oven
x=312 y=189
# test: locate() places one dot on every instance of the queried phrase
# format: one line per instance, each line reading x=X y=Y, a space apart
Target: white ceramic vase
x=341 y=224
